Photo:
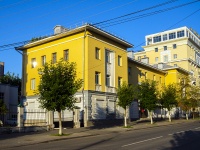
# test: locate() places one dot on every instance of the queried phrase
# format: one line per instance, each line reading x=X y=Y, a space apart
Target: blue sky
x=22 y=20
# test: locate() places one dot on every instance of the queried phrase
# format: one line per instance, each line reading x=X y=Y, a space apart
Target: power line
x=152 y=7
x=145 y=15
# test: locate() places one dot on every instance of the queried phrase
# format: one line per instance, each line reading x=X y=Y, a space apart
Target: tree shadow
x=185 y=141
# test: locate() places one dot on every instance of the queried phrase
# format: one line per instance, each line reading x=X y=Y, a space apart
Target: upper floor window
x=165 y=48
x=107 y=80
x=33 y=62
x=33 y=84
x=119 y=81
x=129 y=70
x=97 y=78
x=156 y=59
x=174 y=46
x=156 y=49
x=108 y=57
x=175 y=56
x=165 y=58
x=156 y=39
x=54 y=58
x=97 y=53
x=66 y=54
x=175 y=65
x=119 y=61
x=180 y=33
x=164 y=37
x=1 y=96
x=139 y=58
x=43 y=60
x=172 y=35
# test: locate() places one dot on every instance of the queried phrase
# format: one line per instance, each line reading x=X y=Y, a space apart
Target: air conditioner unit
x=25 y=103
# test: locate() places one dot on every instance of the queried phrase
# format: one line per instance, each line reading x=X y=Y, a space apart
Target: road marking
x=176 y=132
x=142 y=141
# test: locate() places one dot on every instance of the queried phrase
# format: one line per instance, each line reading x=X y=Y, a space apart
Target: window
x=154 y=78
x=156 y=49
x=66 y=54
x=149 y=41
x=174 y=46
x=43 y=60
x=1 y=96
x=165 y=48
x=160 y=80
x=172 y=35
x=119 y=81
x=119 y=61
x=129 y=70
x=180 y=33
x=175 y=65
x=54 y=58
x=144 y=56
x=145 y=75
x=107 y=56
x=97 y=78
x=33 y=84
x=107 y=80
x=156 y=59
x=139 y=58
x=156 y=39
x=165 y=58
x=97 y=53
x=175 y=56
x=140 y=73
x=164 y=37
x=33 y=62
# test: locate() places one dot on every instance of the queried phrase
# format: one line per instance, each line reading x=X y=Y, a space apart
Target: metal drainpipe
x=83 y=76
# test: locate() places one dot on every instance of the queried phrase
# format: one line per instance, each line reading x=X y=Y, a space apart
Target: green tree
x=194 y=97
x=169 y=98
x=126 y=94
x=148 y=96
x=3 y=108
x=12 y=79
x=184 y=95
x=58 y=84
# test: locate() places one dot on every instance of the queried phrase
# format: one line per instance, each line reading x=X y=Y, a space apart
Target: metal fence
x=34 y=117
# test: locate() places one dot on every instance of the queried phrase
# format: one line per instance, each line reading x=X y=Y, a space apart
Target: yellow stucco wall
x=81 y=51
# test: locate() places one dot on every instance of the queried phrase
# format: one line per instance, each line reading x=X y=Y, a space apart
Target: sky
x=22 y=20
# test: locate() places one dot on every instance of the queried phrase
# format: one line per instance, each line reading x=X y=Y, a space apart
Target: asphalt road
x=178 y=136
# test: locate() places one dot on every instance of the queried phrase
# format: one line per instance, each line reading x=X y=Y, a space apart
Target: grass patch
x=60 y=135
x=127 y=127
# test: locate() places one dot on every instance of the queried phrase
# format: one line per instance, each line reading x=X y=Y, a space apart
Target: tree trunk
x=187 y=116
x=170 y=116
x=60 y=123
x=193 y=114
x=125 y=120
x=151 y=116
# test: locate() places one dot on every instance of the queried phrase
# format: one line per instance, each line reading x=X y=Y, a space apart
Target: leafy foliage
x=148 y=95
x=169 y=97
x=58 y=84
x=3 y=108
x=126 y=94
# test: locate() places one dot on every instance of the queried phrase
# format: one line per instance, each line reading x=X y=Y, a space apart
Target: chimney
x=145 y=60
x=59 y=29
x=160 y=65
x=131 y=54
x=1 y=68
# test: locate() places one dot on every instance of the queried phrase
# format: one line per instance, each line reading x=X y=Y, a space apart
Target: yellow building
x=162 y=74
x=101 y=62
x=177 y=47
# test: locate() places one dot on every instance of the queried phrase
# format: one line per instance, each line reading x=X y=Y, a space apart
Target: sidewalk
x=19 y=139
